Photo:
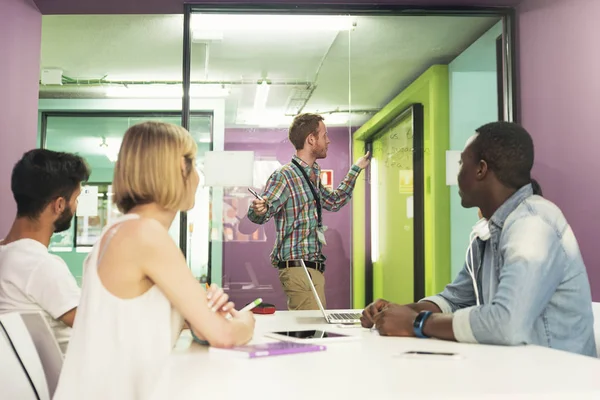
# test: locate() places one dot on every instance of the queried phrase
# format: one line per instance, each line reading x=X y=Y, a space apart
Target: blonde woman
x=137 y=288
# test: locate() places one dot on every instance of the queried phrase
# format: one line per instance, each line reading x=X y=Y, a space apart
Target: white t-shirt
x=32 y=279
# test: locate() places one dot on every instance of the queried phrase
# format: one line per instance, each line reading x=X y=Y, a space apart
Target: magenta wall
x=274 y=143
x=559 y=68
x=20 y=36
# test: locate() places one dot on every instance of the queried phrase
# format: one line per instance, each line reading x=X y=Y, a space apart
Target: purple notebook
x=270 y=349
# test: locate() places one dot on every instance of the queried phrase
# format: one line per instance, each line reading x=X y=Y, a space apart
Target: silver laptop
x=331 y=317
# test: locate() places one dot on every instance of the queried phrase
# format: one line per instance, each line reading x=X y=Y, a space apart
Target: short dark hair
x=537 y=188
x=302 y=126
x=507 y=148
x=41 y=176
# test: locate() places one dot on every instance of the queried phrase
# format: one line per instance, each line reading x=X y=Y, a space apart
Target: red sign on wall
x=327 y=178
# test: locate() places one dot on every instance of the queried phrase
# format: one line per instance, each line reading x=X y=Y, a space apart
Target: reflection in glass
x=97 y=138
x=89 y=228
x=274 y=67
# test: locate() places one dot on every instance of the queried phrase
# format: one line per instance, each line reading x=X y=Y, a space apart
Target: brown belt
x=296 y=263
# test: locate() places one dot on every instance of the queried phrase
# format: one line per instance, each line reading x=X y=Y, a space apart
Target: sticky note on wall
x=452 y=167
x=87 y=203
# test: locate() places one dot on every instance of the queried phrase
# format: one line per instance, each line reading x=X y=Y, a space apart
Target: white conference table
x=373 y=368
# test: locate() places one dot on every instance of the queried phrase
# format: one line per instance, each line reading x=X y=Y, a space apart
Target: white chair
x=596 y=311
x=22 y=374
x=46 y=345
x=14 y=383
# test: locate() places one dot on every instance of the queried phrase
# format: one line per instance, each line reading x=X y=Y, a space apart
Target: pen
x=255 y=194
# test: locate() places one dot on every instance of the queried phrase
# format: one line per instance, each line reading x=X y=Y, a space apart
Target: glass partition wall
x=246 y=73
x=97 y=138
x=353 y=66
x=272 y=67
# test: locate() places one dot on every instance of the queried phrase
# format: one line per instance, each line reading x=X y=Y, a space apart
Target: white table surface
x=371 y=368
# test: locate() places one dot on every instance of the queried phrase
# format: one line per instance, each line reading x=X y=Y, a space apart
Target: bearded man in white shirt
x=45 y=186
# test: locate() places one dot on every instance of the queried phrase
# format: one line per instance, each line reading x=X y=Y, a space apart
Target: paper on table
x=229 y=168
x=87 y=204
x=452 y=167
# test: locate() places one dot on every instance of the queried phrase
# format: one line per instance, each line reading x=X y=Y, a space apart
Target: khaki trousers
x=297 y=288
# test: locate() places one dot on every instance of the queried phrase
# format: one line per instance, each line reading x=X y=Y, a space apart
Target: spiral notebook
x=270 y=349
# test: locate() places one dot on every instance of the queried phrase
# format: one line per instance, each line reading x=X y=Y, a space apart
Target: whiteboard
x=228 y=168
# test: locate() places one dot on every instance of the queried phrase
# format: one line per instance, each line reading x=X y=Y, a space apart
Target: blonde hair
x=148 y=169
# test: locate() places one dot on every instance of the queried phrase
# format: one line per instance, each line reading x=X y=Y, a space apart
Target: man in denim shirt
x=532 y=283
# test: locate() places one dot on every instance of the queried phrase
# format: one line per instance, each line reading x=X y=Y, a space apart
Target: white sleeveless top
x=117 y=346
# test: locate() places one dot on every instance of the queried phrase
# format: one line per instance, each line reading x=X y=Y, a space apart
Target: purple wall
x=560 y=98
x=20 y=36
x=176 y=6
x=274 y=143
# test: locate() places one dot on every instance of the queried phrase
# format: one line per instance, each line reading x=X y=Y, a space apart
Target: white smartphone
x=255 y=194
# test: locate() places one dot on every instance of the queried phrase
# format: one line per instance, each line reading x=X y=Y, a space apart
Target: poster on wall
x=327 y=178
x=87 y=203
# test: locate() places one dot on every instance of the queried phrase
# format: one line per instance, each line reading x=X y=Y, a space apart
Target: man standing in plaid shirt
x=294 y=197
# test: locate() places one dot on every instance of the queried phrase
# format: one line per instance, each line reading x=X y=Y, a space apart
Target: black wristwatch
x=419 y=322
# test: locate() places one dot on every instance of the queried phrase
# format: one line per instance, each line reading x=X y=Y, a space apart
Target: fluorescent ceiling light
x=260 y=100
x=166 y=91
x=245 y=22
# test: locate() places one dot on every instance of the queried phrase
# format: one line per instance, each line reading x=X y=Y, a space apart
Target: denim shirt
x=533 y=285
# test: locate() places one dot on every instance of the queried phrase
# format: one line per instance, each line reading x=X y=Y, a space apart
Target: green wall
x=430 y=90
x=74 y=261
x=473 y=102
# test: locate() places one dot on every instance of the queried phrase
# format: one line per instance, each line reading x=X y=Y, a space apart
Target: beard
x=320 y=153
x=64 y=221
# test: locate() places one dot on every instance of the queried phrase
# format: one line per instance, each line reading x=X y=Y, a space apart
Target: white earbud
x=481 y=230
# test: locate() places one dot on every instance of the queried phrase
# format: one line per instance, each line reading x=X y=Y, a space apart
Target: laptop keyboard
x=344 y=316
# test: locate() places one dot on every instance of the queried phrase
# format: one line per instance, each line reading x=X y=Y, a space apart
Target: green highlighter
x=252 y=305
x=247 y=308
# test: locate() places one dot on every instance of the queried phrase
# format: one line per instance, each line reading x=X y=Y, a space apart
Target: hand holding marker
x=251 y=305
x=248 y=307
x=255 y=194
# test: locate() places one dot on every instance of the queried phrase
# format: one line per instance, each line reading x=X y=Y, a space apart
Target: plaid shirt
x=292 y=205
